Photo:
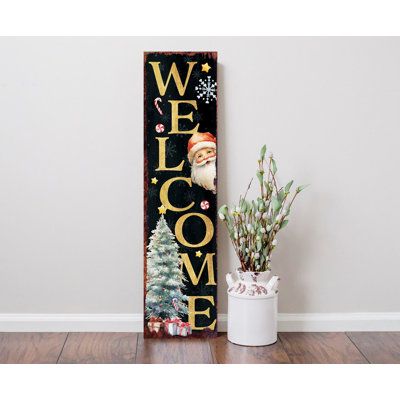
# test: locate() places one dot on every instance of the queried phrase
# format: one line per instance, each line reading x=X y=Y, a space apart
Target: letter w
x=162 y=87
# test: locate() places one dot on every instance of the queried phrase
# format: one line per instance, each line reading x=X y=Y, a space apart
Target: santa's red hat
x=200 y=141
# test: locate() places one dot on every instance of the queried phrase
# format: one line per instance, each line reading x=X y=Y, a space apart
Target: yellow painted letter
x=179 y=229
x=193 y=312
x=162 y=88
x=208 y=259
x=164 y=194
x=175 y=117
x=162 y=157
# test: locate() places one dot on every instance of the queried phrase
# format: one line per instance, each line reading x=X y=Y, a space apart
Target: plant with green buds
x=253 y=225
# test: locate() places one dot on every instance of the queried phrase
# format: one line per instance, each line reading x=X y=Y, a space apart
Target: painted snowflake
x=152 y=191
x=171 y=150
x=207 y=89
x=196 y=73
x=164 y=118
x=189 y=196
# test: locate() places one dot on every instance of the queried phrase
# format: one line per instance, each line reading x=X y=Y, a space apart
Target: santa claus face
x=204 y=168
x=204 y=155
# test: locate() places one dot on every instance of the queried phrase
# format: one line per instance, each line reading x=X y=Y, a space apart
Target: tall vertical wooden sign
x=180 y=189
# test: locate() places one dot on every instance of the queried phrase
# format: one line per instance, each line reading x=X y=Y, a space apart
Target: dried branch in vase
x=253 y=225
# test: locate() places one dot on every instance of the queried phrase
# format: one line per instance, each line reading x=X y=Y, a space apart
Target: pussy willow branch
x=248 y=187
x=271 y=173
x=290 y=204
x=261 y=170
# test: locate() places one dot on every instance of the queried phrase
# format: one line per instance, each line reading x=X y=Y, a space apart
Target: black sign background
x=180 y=193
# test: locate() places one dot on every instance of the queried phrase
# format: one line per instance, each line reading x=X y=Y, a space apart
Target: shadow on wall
x=291 y=259
x=224 y=259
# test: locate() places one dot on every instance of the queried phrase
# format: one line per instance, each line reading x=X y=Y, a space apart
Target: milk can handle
x=273 y=283
x=229 y=279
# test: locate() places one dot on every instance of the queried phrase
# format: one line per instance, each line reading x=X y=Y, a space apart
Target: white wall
x=71 y=167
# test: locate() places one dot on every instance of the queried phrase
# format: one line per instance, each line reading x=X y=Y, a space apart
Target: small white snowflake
x=207 y=89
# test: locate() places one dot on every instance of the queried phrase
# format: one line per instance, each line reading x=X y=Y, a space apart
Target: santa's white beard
x=204 y=175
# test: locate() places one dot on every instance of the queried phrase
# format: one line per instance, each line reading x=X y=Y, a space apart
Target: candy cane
x=175 y=304
x=156 y=100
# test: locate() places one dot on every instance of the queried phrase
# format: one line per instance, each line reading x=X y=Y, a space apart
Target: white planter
x=252 y=308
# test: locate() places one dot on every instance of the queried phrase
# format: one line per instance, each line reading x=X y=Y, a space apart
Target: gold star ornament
x=199 y=253
x=205 y=67
x=154 y=181
x=162 y=209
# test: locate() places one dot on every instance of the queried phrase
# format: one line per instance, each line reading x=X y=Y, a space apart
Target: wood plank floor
x=120 y=348
x=315 y=348
x=99 y=348
x=31 y=348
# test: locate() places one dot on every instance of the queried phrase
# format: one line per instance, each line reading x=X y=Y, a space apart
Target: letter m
x=208 y=260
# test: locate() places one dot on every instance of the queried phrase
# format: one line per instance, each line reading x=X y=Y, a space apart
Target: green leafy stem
x=253 y=225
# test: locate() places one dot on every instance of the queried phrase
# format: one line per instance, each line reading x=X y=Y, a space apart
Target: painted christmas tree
x=165 y=279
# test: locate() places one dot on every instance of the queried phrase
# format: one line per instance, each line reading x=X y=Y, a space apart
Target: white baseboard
x=310 y=322
x=71 y=322
x=339 y=322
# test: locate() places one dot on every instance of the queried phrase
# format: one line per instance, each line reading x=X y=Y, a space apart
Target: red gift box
x=171 y=326
x=184 y=329
x=155 y=324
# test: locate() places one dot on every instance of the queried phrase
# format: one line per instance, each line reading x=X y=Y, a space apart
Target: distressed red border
x=214 y=56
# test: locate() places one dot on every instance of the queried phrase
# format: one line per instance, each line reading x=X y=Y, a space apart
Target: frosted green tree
x=165 y=280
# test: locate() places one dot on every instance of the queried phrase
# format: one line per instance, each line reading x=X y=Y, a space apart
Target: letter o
x=179 y=229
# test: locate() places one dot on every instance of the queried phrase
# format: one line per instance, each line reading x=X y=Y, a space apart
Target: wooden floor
x=119 y=348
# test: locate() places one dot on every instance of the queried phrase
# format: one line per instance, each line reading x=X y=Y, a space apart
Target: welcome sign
x=180 y=189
